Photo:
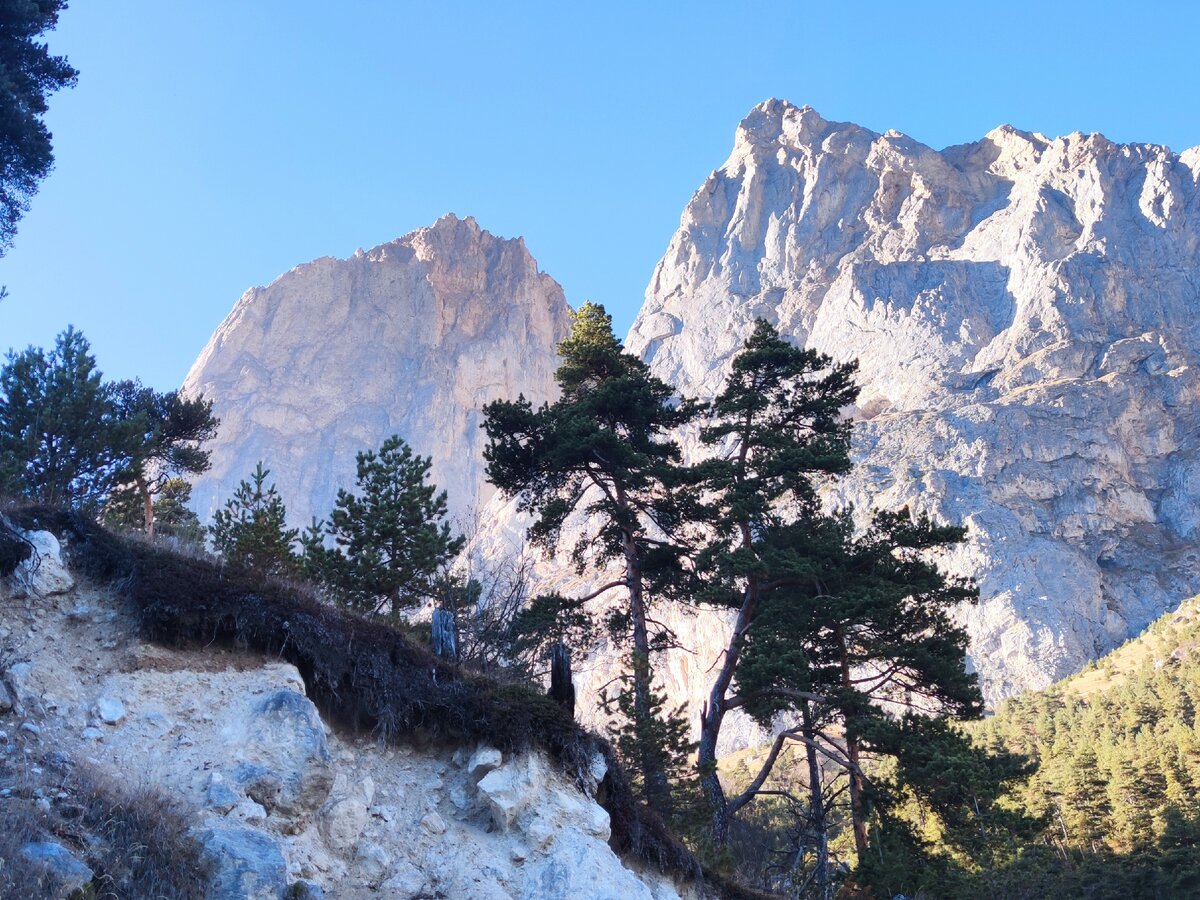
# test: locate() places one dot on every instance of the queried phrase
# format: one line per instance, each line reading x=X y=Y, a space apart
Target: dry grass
x=133 y=840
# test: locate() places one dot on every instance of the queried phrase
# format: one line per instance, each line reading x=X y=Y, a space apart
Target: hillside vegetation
x=1118 y=776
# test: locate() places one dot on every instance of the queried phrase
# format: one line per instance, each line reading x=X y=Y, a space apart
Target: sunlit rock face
x=412 y=337
x=1026 y=317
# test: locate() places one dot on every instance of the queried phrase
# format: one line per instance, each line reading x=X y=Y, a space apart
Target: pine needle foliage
x=251 y=530
x=391 y=540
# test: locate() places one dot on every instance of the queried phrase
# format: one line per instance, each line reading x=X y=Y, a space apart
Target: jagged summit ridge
x=413 y=336
x=1024 y=313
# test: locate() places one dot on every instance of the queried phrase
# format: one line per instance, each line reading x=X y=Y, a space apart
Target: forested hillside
x=1118 y=776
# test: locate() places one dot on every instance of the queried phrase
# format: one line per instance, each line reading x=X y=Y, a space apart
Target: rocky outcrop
x=38 y=568
x=412 y=337
x=1023 y=310
x=279 y=804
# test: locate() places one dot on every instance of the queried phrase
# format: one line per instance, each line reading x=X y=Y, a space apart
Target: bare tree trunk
x=658 y=791
x=562 y=690
x=713 y=716
x=147 y=505
x=858 y=810
x=816 y=807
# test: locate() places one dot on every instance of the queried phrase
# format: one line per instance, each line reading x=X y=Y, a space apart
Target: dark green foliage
x=391 y=540
x=173 y=518
x=664 y=733
x=605 y=447
x=28 y=75
x=251 y=531
x=1118 y=779
x=609 y=432
x=779 y=423
x=775 y=427
x=549 y=619
x=67 y=437
x=62 y=441
x=167 y=433
x=871 y=602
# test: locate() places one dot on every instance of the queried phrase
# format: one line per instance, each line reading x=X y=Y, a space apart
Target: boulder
x=220 y=797
x=484 y=760
x=527 y=794
x=285 y=763
x=110 y=710
x=342 y=823
x=241 y=863
x=43 y=573
x=67 y=871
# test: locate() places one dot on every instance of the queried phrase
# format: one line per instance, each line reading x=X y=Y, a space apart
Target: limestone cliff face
x=412 y=337
x=1025 y=314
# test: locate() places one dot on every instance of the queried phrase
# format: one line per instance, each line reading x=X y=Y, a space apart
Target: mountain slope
x=412 y=337
x=1118 y=769
x=1023 y=312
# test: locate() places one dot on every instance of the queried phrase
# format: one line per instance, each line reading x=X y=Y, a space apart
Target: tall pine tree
x=775 y=427
x=604 y=447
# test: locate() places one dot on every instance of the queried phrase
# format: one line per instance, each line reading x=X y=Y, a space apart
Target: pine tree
x=31 y=74
x=61 y=439
x=251 y=531
x=604 y=447
x=172 y=517
x=867 y=629
x=390 y=539
x=167 y=433
x=778 y=425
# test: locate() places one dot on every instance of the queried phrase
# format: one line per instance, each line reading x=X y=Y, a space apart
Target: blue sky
x=212 y=144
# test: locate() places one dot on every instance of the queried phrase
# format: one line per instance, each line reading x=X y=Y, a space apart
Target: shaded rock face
x=241 y=864
x=1023 y=311
x=68 y=873
x=412 y=337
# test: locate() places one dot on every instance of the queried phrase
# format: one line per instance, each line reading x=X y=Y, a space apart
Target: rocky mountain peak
x=1023 y=312
x=413 y=337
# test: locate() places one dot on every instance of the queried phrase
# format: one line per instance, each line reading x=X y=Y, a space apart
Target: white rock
x=373 y=861
x=342 y=822
x=406 y=881
x=110 y=710
x=528 y=794
x=434 y=823
x=44 y=574
x=484 y=760
x=367 y=788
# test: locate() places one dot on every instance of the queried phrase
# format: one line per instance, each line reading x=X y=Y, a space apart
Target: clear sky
x=213 y=144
